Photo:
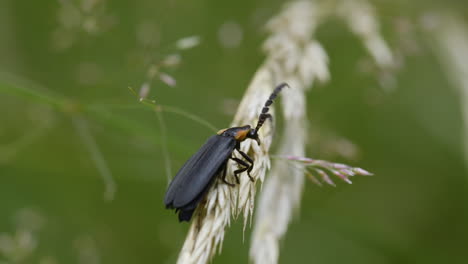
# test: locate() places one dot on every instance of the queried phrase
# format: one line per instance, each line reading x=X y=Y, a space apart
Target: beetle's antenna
x=264 y=115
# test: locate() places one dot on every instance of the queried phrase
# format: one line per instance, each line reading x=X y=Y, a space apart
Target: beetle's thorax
x=239 y=133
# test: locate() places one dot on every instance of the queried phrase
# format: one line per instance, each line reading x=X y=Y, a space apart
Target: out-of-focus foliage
x=65 y=67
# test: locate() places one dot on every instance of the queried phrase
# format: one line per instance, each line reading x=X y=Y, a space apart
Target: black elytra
x=194 y=179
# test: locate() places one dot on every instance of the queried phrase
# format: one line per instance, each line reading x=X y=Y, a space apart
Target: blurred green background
x=52 y=204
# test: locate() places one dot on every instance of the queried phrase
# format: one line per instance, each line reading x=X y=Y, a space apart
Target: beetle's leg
x=249 y=159
x=223 y=178
x=239 y=171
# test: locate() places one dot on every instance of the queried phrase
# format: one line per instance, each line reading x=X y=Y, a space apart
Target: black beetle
x=194 y=179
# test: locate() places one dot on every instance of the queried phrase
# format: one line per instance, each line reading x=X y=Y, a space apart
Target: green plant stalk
x=9 y=87
x=15 y=86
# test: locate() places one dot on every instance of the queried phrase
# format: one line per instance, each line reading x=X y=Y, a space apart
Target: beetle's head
x=253 y=135
x=240 y=133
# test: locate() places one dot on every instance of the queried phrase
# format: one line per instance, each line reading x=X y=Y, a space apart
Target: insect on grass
x=194 y=179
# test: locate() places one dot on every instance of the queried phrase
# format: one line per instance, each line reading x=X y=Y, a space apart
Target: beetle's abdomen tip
x=168 y=205
x=185 y=215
